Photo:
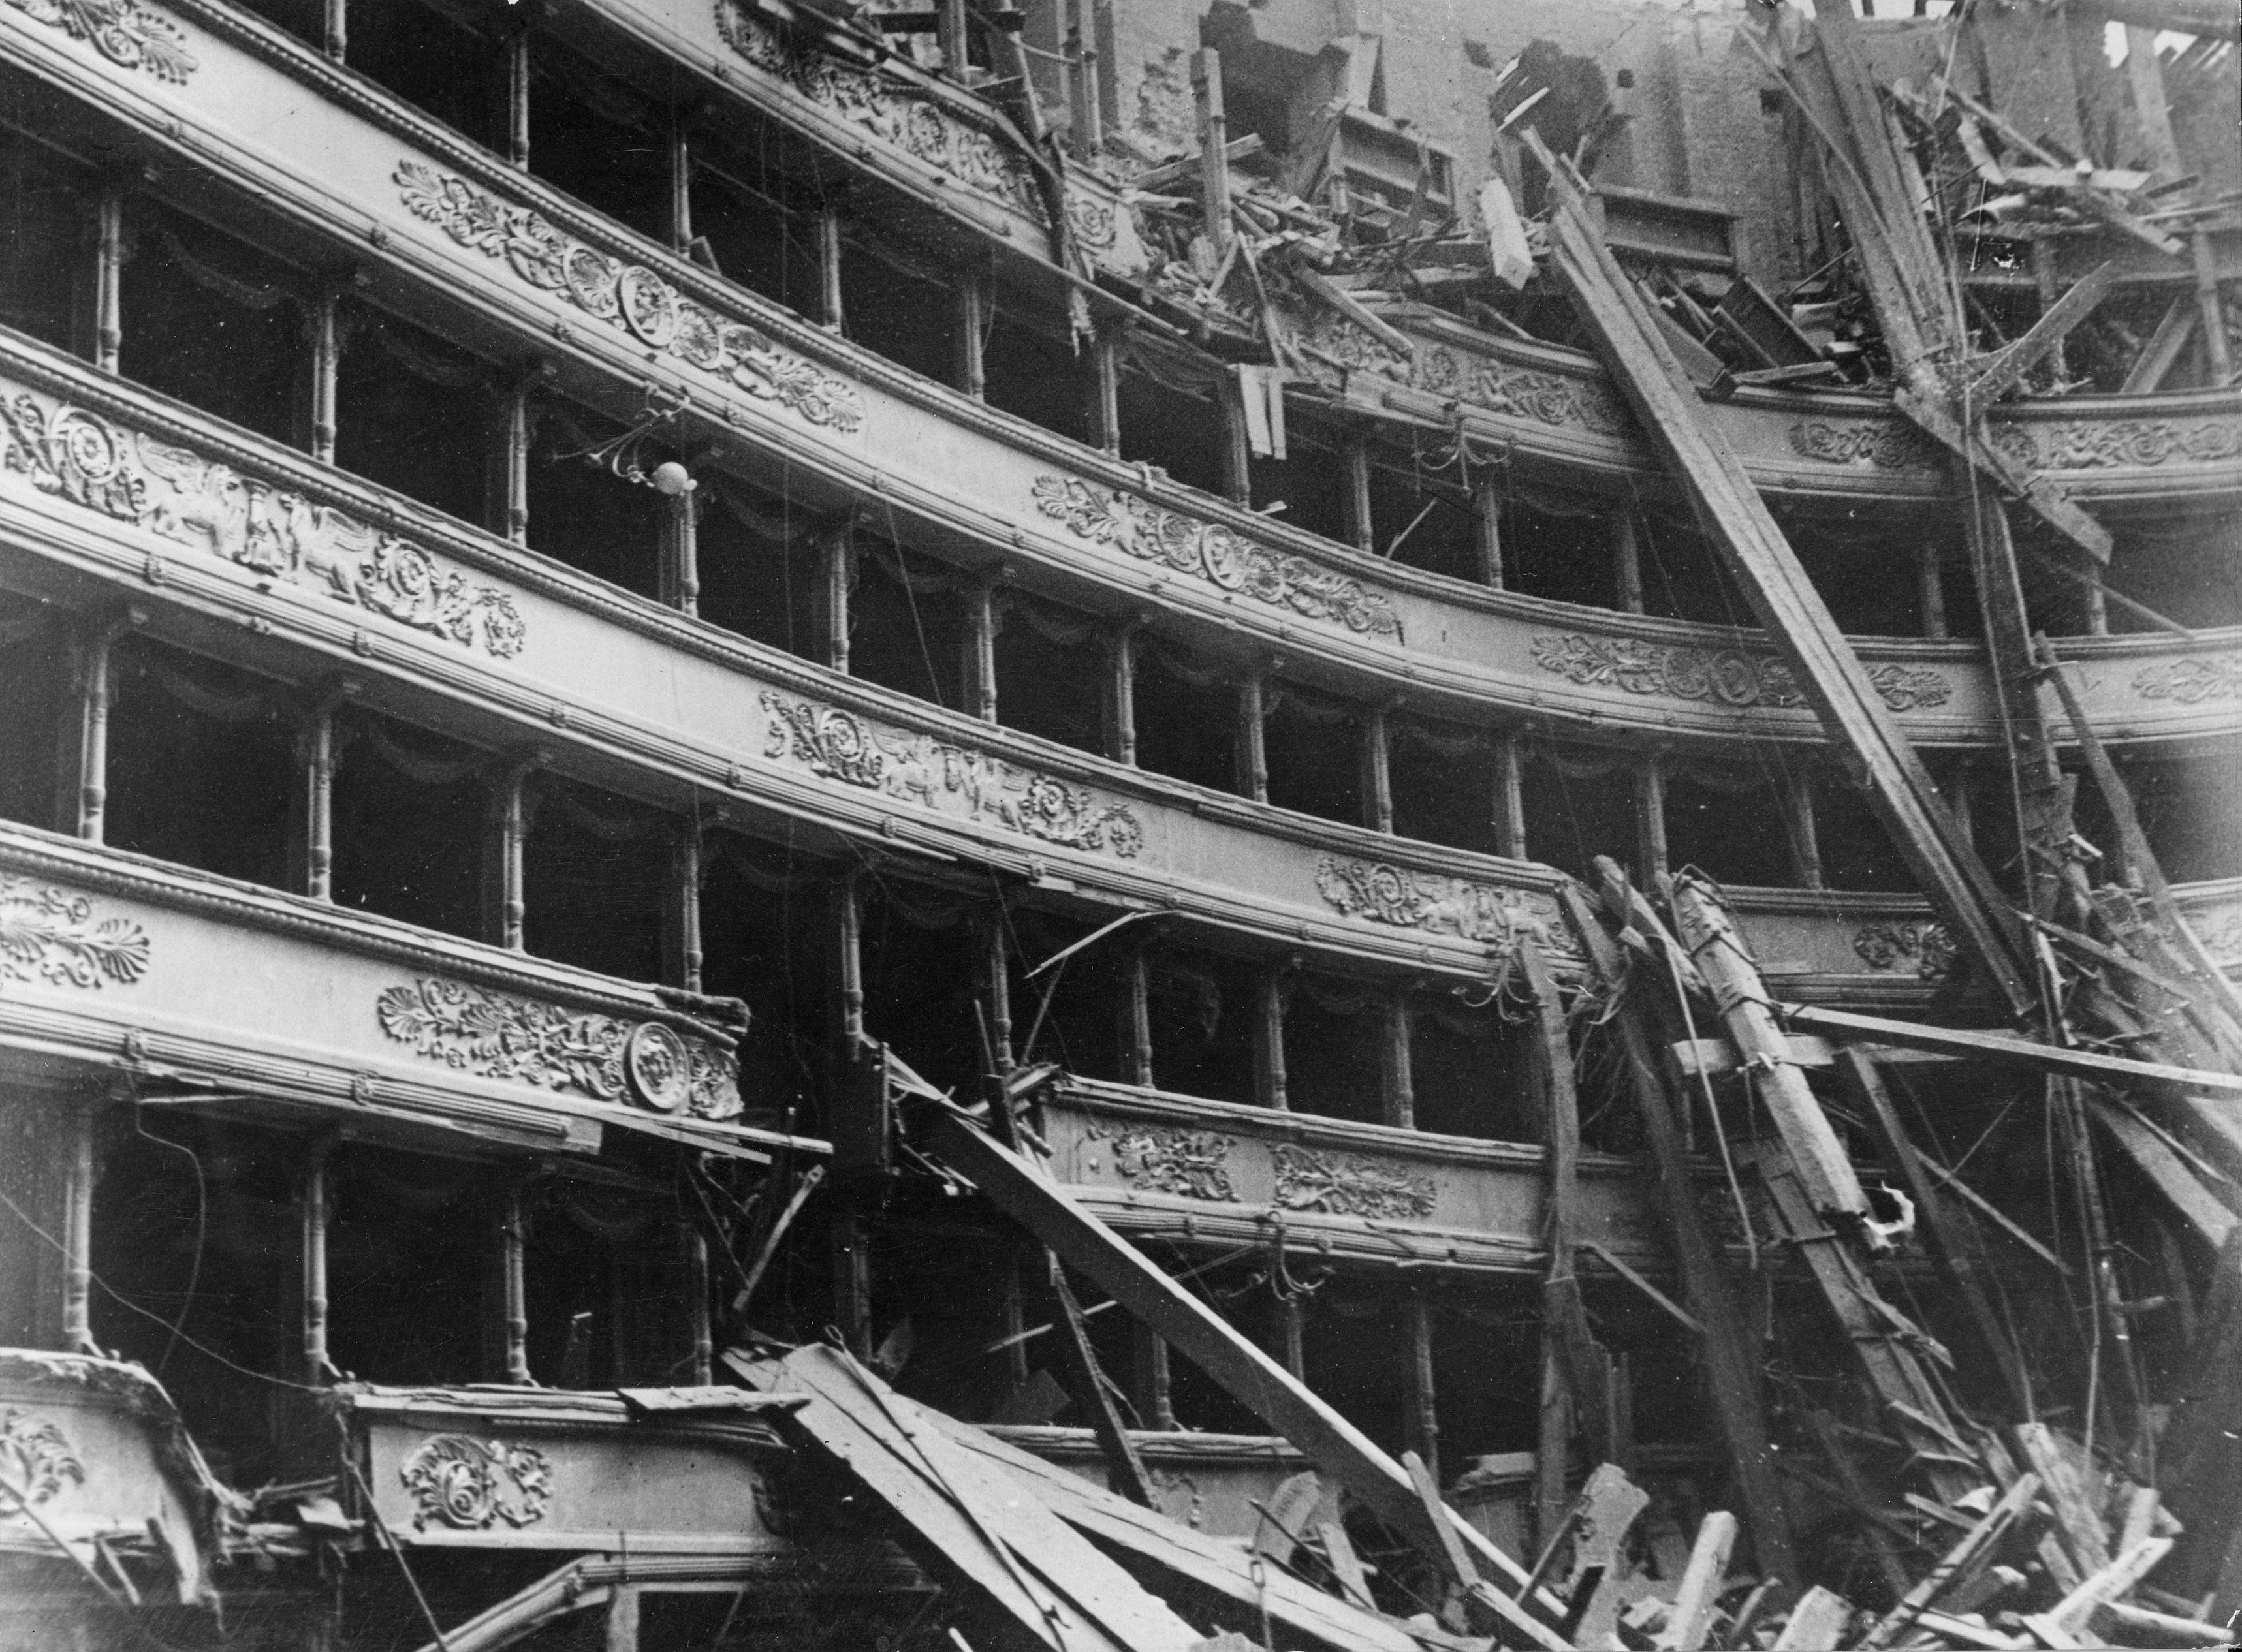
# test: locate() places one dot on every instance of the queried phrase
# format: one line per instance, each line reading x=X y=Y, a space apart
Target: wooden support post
x=1121 y=692
x=312 y=829
x=1332 y=1443
x=1153 y=1399
x=109 y=275
x=686 y=874
x=1213 y=148
x=1509 y=798
x=1424 y=1418
x=1106 y=388
x=1377 y=770
x=694 y=1245
x=1251 y=749
x=970 y=322
x=1805 y=832
x=1124 y=1469
x=512 y=812
x=951 y=34
x=830 y=310
x=1487 y=511
x=838 y=548
x=1953 y=1241
x=1651 y=819
x=1627 y=562
x=514 y=1289
x=2212 y=323
x=1361 y=528
x=323 y=332
x=622 y=1621
x=1086 y=131
x=1397 y=1086
x=981 y=626
x=508 y=510
x=94 y=657
x=1293 y=1329
x=517 y=76
x=311 y=1207
x=1703 y=463
x=2042 y=261
x=1931 y=589
x=1237 y=445
x=1732 y=1368
x=680 y=203
x=997 y=988
x=1553 y=1442
x=848 y=932
x=79 y=1169
x=1137 y=1008
x=681 y=552
x=1269 y=1038
x=335 y=29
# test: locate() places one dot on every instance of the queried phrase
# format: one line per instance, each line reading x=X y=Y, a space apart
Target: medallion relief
x=274 y=533
x=473 y=1485
x=1210 y=552
x=1715 y=676
x=50 y=936
x=1925 y=949
x=629 y=297
x=838 y=745
x=494 y=1035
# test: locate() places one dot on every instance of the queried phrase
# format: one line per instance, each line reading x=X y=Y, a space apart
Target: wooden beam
x=1328 y=1440
x=1731 y=1368
x=1715 y=1057
x=2162 y=353
x=1704 y=464
x=2050 y=330
x=1691 y=1620
x=1816 y=1623
x=2000 y=1049
x=1124 y=1469
x=1965 y=1557
x=2181 y=1190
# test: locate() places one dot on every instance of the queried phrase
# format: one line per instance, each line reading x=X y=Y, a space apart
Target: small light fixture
x=623 y=455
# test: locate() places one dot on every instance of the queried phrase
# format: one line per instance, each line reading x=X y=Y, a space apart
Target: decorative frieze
x=1925 y=948
x=275 y=532
x=838 y=745
x=1211 y=552
x=1717 y=676
x=126 y=33
x=1884 y=443
x=2191 y=680
x=1168 y=1159
x=1340 y=1184
x=2094 y=444
x=1380 y=892
x=473 y=1485
x=629 y=296
x=51 y=935
x=1476 y=381
x=36 y=1459
x=889 y=110
x=494 y=1035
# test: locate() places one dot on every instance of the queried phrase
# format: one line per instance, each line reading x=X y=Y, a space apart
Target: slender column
x=982 y=623
x=336 y=33
x=109 y=277
x=314 y=834
x=1236 y=446
x=622 y=1624
x=1398 y=1090
x=1292 y=1331
x=839 y=547
x=79 y=1171
x=1138 y=1030
x=1955 y=789
x=694 y=1245
x=509 y=822
x=852 y=1282
x=516 y=48
x=1016 y=1325
x=1106 y=388
x=1627 y=561
x=1552 y=1447
x=1650 y=818
x=2097 y=614
x=1088 y=128
x=2043 y=276
x=512 y=1284
x=1931 y=589
x=686 y=873
x=681 y=552
x=1361 y=530
x=312 y=1207
x=950 y=34
x=1486 y=511
x=1213 y=147
x=1252 y=746
x=1805 y=835
x=1377 y=770
x=829 y=265
x=1121 y=693
x=2206 y=299
x=681 y=181
x=1509 y=800
x=1154 y=1399
x=971 y=320
x=508 y=493
x=997 y=981
x=96 y=653
x=1424 y=1420
x=1269 y=1037
x=849 y=944
x=322 y=331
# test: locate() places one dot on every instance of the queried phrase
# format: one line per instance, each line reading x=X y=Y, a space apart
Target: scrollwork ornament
x=1927 y=948
x=1723 y=677
x=1338 y=1184
x=473 y=1485
x=126 y=33
x=36 y=1459
x=51 y=935
x=1383 y=893
x=1169 y=1159
x=2191 y=680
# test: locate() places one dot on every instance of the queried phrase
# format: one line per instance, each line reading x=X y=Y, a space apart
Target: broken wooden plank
x=1264 y=1388
x=1691 y=1620
x=1714 y=1057
x=1122 y=1465
x=2165 y=1171
x=1733 y=1374
x=2074 y=1613
x=1609 y=1506
x=2162 y=353
x=2199 y=1453
x=1816 y=1623
x=2076 y=1508
x=2027 y=352
x=1972 y=1551
x=1705 y=465
x=1346 y=1565
x=2000 y=1049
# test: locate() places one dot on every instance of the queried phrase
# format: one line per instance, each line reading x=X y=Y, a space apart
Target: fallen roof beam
x=1705 y=465
x=1256 y=1381
x=2050 y=330
x=2003 y=1049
